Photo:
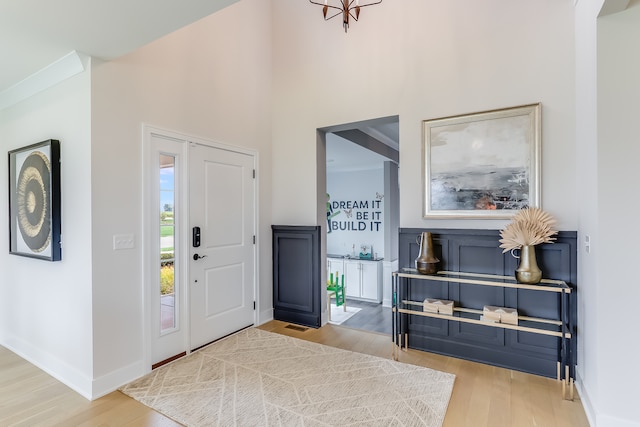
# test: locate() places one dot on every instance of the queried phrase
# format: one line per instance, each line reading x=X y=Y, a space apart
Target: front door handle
x=197 y=257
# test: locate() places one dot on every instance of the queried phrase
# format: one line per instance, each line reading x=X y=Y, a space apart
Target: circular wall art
x=33 y=201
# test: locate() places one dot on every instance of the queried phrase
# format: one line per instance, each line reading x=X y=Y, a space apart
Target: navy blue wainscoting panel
x=296 y=274
x=478 y=251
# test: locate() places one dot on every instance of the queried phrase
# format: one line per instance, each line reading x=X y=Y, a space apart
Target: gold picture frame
x=482 y=165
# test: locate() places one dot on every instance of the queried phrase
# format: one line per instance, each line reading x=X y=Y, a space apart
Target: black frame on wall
x=35 y=201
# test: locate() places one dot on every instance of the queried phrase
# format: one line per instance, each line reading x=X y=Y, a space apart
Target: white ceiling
x=36 y=33
x=345 y=156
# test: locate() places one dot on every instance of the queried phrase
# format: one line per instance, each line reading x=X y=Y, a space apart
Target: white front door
x=222 y=259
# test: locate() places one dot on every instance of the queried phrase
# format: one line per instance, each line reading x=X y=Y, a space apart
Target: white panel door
x=222 y=273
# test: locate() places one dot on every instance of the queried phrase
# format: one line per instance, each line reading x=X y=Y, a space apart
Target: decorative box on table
x=500 y=314
x=441 y=306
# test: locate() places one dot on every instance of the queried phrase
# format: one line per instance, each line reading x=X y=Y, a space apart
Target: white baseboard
x=88 y=388
x=584 y=398
x=265 y=316
x=116 y=379
x=593 y=416
x=609 y=421
x=52 y=365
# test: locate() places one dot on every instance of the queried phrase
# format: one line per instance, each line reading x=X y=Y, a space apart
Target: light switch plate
x=123 y=241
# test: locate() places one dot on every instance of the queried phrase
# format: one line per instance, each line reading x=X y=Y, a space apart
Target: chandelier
x=347 y=8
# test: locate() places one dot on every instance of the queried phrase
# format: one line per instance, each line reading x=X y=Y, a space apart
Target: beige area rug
x=259 y=378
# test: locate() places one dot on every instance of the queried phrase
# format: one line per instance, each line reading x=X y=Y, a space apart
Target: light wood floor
x=482 y=395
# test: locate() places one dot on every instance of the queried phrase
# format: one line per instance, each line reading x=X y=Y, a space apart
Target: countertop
x=353 y=257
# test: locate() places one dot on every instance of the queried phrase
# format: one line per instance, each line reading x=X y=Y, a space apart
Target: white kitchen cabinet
x=335 y=265
x=363 y=279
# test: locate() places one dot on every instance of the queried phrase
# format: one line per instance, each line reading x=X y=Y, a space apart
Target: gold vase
x=426 y=263
x=528 y=271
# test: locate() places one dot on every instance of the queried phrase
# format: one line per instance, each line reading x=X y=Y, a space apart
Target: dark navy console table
x=404 y=308
x=474 y=273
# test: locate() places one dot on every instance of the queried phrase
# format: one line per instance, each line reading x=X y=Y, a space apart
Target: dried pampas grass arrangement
x=530 y=226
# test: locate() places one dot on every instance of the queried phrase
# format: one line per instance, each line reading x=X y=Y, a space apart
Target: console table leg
x=568 y=386
x=396 y=348
x=571 y=387
x=395 y=323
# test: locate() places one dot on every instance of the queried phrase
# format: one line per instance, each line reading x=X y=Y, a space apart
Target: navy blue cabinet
x=296 y=274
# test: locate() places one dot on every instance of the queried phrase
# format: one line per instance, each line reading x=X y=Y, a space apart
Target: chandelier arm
x=333 y=16
x=370 y=4
x=345 y=10
x=362 y=5
x=342 y=8
x=328 y=5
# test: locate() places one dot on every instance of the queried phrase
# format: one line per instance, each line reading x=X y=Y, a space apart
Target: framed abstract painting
x=482 y=165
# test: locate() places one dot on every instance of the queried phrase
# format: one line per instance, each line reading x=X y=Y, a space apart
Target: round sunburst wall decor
x=33 y=188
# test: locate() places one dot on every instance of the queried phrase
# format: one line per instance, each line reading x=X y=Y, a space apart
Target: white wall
x=353 y=196
x=421 y=60
x=45 y=307
x=212 y=80
x=587 y=178
x=618 y=176
x=81 y=319
x=606 y=106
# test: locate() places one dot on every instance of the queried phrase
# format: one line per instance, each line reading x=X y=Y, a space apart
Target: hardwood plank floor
x=483 y=395
x=31 y=397
x=371 y=317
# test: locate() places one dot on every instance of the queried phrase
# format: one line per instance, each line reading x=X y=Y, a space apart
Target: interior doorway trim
x=379 y=144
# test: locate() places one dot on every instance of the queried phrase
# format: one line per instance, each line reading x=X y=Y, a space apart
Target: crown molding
x=613 y=6
x=68 y=66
